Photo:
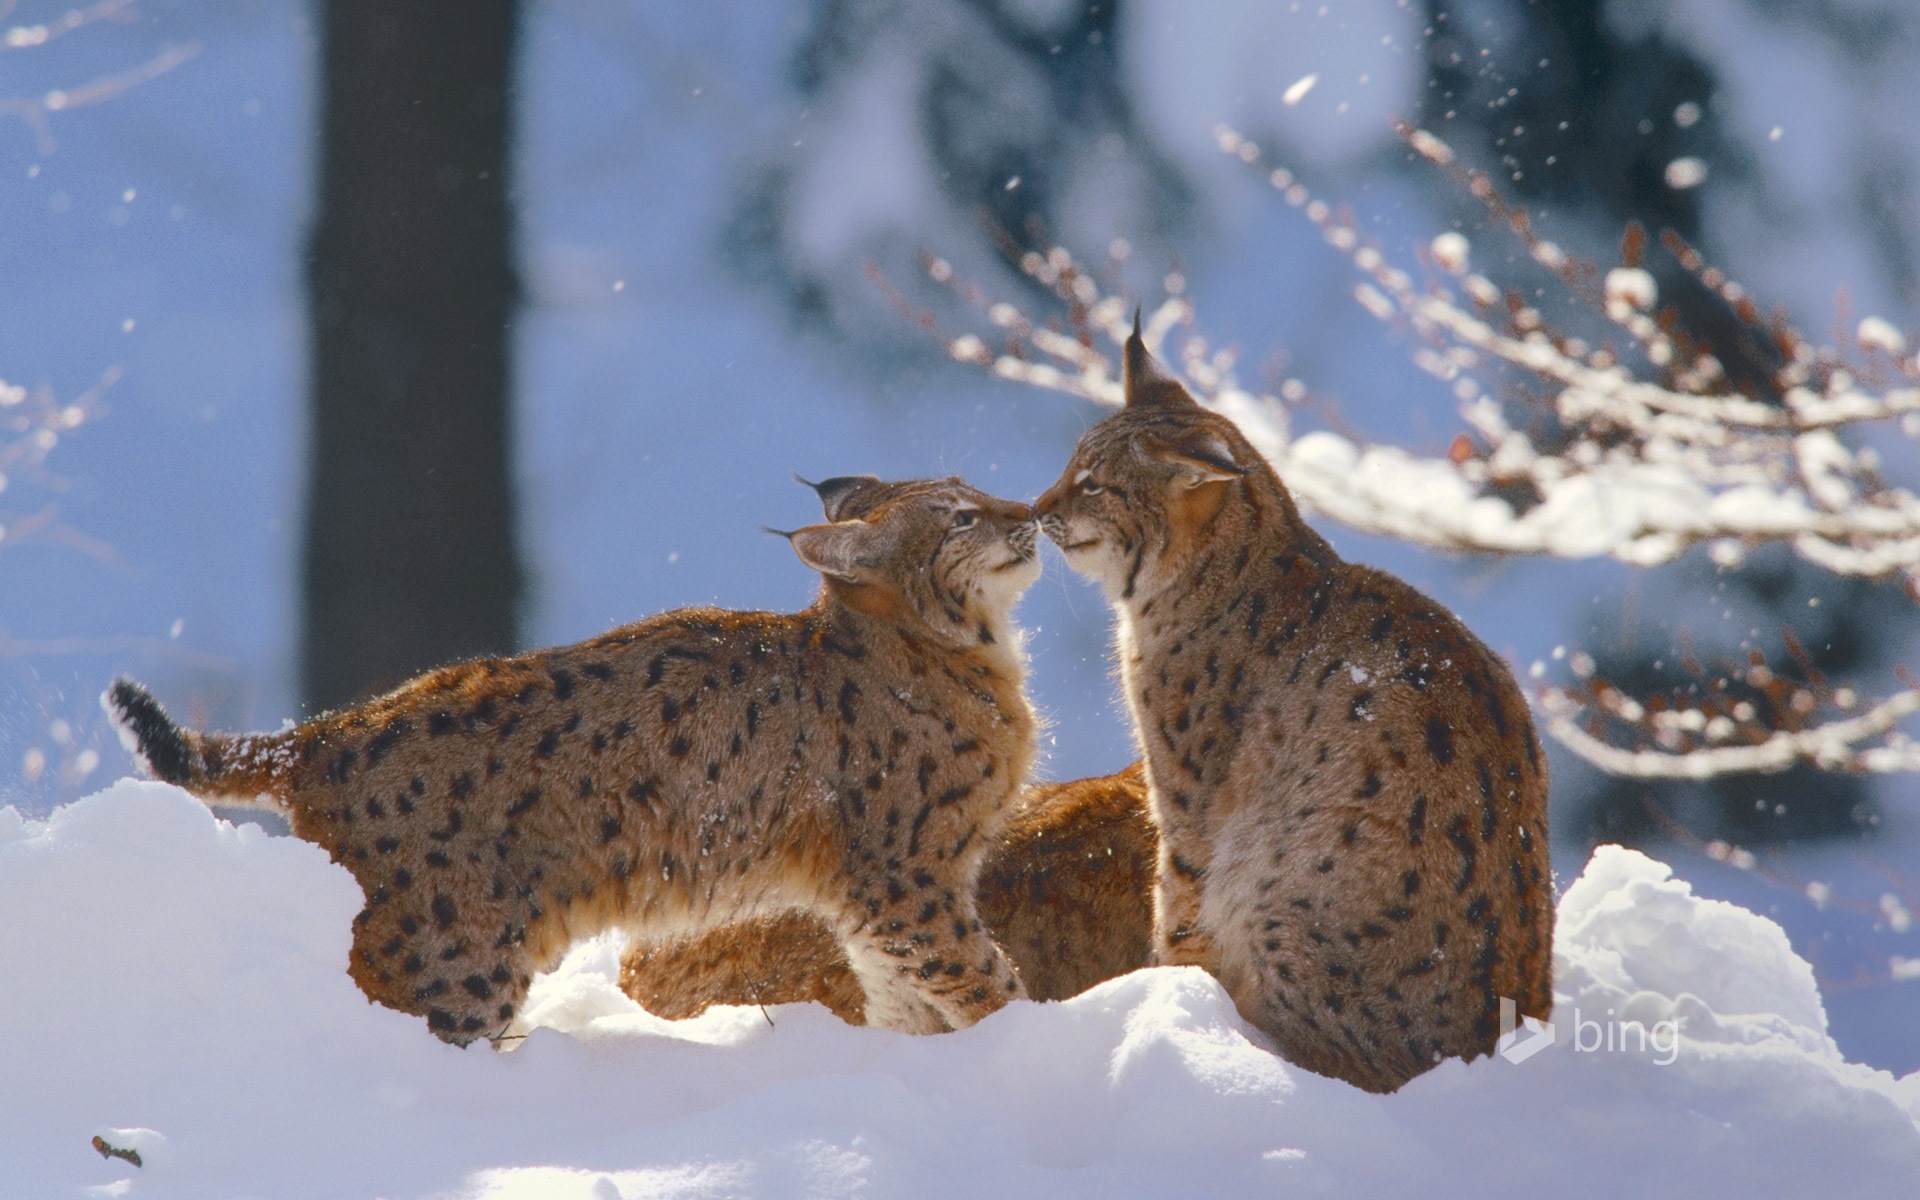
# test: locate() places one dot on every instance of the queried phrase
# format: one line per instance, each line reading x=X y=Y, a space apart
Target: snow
x=1450 y=251
x=179 y=993
x=1899 y=918
x=1686 y=172
x=1632 y=287
x=1878 y=333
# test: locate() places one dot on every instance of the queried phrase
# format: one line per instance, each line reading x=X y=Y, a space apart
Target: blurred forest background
x=342 y=338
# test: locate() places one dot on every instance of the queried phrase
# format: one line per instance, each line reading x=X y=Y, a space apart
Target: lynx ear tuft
x=1202 y=456
x=1146 y=383
x=845 y=549
x=837 y=493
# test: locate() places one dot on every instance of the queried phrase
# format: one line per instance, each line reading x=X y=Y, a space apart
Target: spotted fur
x=1066 y=891
x=1351 y=801
x=854 y=761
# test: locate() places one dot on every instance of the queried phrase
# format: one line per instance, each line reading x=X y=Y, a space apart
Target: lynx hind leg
x=1332 y=976
x=926 y=962
x=466 y=972
x=788 y=958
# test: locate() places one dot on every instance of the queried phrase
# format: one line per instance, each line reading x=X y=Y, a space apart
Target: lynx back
x=854 y=761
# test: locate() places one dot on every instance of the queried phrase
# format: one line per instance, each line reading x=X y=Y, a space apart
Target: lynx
x=1350 y=798
x=1065 y=890
x=854 y=760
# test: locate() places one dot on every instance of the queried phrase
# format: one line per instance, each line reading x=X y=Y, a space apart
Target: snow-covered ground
x=176 y=986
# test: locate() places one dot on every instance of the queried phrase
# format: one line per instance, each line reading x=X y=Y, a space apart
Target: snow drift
x=175 y=985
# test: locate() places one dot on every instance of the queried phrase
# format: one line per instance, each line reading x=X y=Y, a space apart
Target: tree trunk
x=410 y=556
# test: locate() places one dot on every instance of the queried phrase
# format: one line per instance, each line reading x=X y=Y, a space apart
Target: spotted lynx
x=854 y=760
x=1065 y=890
x=1350 y=797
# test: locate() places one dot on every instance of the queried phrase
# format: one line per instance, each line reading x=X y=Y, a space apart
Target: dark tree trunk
x=410 y=550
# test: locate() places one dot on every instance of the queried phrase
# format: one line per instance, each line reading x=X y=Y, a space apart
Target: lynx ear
x=1146 y=383
x=837 y=492
x=845 y=549
x=1202 y=456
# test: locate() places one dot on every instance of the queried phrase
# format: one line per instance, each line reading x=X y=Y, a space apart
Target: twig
x=111 y=1151
x=22 y=37
x=33 y=111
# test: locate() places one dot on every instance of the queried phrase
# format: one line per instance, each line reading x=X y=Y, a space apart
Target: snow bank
x=175 y=985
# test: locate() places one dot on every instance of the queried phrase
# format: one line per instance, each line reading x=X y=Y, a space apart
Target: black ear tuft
x=840 y=492
x=1146 y=383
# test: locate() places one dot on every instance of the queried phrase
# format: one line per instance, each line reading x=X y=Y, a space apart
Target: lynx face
x=941 y=552
x=1128 y=509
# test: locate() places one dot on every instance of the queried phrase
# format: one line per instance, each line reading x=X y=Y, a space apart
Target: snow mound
x=1729 y=974
x=177 y=988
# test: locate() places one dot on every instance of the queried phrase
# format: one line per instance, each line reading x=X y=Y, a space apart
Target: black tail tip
x=147 y=732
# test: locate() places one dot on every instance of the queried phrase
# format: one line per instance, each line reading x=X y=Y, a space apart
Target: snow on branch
x=1746 y=722
x=1635 y=466
x=1635 y=443
x=1835 y=746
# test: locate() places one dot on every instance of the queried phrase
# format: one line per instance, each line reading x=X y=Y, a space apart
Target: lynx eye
x=1087 y=486
x=965 y=517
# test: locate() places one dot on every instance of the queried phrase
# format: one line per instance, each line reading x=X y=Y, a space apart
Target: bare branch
x=34 y=111
x=21 y=37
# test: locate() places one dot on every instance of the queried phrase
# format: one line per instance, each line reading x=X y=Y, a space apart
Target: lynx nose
x=1022 y=536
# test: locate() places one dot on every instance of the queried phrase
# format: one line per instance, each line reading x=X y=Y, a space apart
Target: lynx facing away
x=1065 y=890
x=854 y=760
x=1351 y=802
